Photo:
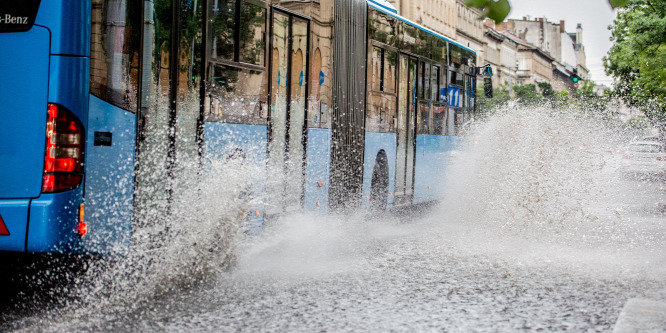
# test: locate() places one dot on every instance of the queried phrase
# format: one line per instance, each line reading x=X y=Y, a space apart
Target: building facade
x=437 y=15
x=470 y=29
x=500 y=53
x=579 y=49
x=565 y=49
x=534 y=64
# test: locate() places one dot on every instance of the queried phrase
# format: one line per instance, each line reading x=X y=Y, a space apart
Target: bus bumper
x=14 y=217
x=53 y=221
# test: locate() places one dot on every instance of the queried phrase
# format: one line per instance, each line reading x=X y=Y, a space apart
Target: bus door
x=287 y=114
x=405 y=129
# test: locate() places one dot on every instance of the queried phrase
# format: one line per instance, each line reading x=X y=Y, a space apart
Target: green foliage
x=583 y=101
x=637 y=59
x=527 y=94
x=497 y=10
x=585 y=90
x=562 y=99
x=501 y=96
x=618 y=3
x=546 y=89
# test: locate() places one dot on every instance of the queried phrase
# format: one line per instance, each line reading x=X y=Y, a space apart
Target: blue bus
x=340 y=104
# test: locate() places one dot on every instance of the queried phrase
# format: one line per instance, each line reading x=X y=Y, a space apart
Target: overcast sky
x=594 y=15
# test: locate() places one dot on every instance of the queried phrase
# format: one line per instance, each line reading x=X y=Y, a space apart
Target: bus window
x=439 y=119
x=376 y=77
x=250 y=48
x=419 y=86
x=459 y=120
x=456 y=78
x=222 y=29
x=455 y=56
x=423 y=122
x=469 y=91
x=426 y=81
x=390 y=59
x=237 y=95
x=434 y=83
x=114 y=53
x=252 y=34
x=381 y=27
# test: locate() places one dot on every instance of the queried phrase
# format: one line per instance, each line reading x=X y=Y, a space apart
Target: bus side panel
x=110 y=150
x=432 y=158
x=69 y=23
x=225 y=141
x=374 y=142
x=317 y=173
x=14 y=214
x=53 y=222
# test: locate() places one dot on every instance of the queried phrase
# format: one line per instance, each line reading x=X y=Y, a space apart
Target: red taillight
x=661 y=158
x=63 y=161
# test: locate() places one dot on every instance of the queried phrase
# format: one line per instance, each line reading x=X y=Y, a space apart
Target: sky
x=594 y=15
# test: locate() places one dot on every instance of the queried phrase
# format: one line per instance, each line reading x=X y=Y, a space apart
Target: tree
x=501 y=96
x=546 y=89
x=527 y=94
x=637 y=59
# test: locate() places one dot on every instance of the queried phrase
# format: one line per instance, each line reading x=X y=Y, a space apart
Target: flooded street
x=537 y=231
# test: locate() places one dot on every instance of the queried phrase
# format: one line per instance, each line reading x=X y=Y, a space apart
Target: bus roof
x=386 y=8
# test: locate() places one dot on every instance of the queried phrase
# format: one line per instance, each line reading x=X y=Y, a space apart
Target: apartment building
x=500 y=52
x=437 y=15
x=566 y=49
x=470 y=29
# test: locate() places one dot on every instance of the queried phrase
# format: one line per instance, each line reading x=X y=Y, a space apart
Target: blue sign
x=442 y=94
x=321 y=77
x=300 y=79
x=454 y=96
x=279 y=77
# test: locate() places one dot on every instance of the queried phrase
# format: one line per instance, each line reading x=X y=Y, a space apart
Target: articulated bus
x=341 y=103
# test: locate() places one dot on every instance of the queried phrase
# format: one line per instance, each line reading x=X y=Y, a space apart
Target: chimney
x=579 y=33
x=562 y=30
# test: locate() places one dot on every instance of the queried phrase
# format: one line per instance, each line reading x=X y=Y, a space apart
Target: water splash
x=533 y=207
x=169 y=252
x=542 y=184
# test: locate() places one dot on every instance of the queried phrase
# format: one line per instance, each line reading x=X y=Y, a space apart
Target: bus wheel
x=379 y=187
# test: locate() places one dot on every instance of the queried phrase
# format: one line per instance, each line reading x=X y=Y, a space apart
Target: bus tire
x=379 y=183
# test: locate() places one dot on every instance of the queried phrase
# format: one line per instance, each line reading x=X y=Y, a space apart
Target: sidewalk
x=642 y=315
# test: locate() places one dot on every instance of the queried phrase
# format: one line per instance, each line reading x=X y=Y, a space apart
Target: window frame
x=236 y=61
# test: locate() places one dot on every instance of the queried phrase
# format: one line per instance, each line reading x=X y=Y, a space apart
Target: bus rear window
x=17 y=16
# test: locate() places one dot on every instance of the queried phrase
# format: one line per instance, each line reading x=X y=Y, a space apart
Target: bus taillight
x=63 y=161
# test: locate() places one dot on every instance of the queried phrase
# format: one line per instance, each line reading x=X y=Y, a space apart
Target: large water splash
x=170 y=251
x=543 y=183
x=531 y=192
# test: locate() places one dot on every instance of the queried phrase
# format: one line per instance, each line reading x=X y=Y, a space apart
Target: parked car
x=644 y=159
